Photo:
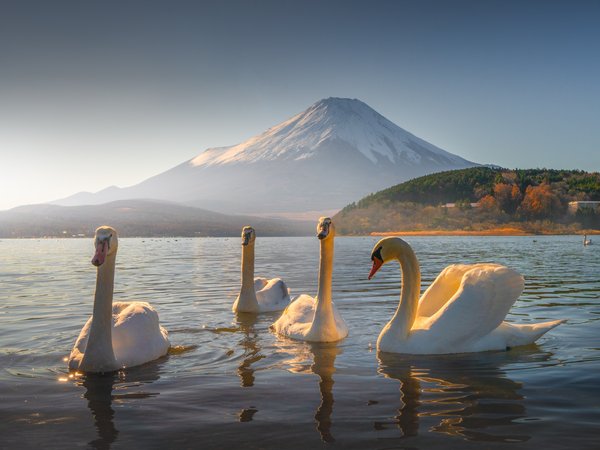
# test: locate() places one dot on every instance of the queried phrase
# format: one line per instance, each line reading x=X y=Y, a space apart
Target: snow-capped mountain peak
x=335 y=152
x=347 y=120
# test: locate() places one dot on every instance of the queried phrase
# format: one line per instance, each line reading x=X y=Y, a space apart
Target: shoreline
x=490 y=232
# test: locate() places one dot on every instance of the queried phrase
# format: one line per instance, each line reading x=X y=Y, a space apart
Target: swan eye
x=377 y=254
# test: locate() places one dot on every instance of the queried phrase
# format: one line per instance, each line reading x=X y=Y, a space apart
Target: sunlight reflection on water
x=229 y=380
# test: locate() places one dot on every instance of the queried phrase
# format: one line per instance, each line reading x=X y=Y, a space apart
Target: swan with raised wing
x=316 y=319
x=258 y=294
x=120 y=334
x=462 y=311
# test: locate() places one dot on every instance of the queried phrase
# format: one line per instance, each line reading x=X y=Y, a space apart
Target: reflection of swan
x=99 y=394
x=246 y=414
x=462 y=310
x=316 y=319
x=122 y=334
x=258 y=294
x=323 y=366
x=251 y=350
x=470 y=397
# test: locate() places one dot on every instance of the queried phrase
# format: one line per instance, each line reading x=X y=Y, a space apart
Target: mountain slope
x=321 y=159
x=137 y=218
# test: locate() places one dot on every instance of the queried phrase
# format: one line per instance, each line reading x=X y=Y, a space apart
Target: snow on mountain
x=300 y=137
x=335 y=152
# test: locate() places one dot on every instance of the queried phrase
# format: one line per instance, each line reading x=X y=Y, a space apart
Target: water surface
x=230 y=382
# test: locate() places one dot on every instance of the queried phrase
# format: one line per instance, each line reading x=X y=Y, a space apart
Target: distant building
x=576 y=206
x=453 y=205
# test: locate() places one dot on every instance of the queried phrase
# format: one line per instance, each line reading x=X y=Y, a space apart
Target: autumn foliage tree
x=541 y=202
x=488 y=203
x=508 y=197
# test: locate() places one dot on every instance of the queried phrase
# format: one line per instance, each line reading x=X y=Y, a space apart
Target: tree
x=488 y=203
x=508 y=197
x=541 y=202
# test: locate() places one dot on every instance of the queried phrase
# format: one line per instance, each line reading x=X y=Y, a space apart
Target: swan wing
x=137 y=336
x=274 y=296
x=260 y=283
x=80 y=345
x=297 y=318
x=442 y=289
x=484 y=297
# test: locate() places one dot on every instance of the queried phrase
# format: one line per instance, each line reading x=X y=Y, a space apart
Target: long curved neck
x=406 y=313
x=99 y=355
x=247 y=292
x=324 y=308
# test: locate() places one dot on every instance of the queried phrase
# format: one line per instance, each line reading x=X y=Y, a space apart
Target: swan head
x=106 y=243
x=385 y=250
x=325 y=228
x=248 y=235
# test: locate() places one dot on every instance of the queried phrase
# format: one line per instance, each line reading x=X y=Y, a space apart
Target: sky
x=101 y=93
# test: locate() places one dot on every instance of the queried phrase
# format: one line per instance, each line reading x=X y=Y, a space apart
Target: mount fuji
x=335 y=152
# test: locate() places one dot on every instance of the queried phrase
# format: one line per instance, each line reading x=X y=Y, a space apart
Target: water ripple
x=225 y=371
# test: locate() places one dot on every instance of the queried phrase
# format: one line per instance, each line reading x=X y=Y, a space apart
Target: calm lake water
x=231 y=383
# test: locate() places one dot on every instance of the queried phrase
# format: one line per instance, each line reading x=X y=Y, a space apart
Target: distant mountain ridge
x=146 y=218
x=321 y=159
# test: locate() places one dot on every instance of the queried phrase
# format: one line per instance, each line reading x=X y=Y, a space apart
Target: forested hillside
x=479 y=198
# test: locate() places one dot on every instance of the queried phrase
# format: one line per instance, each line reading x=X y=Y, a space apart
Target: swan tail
x=286 y=290
x=527 y=334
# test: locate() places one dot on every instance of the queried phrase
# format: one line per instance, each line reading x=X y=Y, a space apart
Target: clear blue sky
x=105 y=93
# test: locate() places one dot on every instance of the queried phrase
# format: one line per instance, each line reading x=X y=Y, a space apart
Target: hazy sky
x=100 y=93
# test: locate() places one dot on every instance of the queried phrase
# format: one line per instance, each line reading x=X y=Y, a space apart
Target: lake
x=231 y=383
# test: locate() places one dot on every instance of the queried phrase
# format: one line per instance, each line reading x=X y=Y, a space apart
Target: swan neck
x=247 y=299
x=105 y=283
x=325 y=274
x=248 y=267
x=409 y=296
x=99 y=355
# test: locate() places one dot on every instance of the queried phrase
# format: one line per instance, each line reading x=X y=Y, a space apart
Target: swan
x=258 y=294
x=462 y=311
x=586 y=241
x=120 y=334
x=316 y=319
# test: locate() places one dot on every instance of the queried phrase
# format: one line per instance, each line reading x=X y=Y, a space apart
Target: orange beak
x=377 y=263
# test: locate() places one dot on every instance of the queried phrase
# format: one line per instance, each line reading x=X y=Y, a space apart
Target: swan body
x=316 y=319
x=586 y=241
x=120 y=334
x=462 y=311
x=258 y=294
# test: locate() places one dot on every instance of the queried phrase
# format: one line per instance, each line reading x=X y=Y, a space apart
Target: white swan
x=586 y=241
x=258 y=294
x=316 y=319
x=462 y=311
x=121 y=334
